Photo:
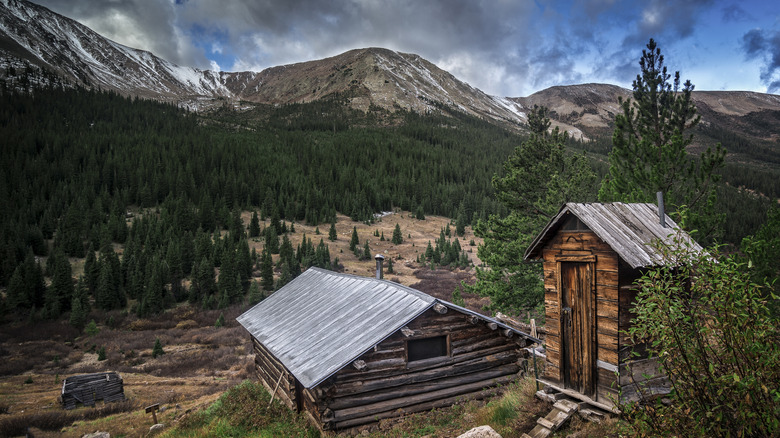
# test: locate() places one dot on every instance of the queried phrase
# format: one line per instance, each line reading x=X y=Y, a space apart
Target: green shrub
x=101 y=353
x=91 y=329
x=711 y=330
x=158 y=349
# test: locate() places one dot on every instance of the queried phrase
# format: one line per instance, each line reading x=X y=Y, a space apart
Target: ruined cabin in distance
x=350 y=351
x=592 y=253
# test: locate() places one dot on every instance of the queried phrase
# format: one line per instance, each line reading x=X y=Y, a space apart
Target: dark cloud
x=735 y=13
x=148 y=24
x=765 y=46
x=507 y=47
x=754 y=43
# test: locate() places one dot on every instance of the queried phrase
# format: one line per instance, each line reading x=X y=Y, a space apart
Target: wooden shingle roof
x=629 y=229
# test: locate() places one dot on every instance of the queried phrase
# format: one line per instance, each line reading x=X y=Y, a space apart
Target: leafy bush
x=91 y=329
x=711 y=329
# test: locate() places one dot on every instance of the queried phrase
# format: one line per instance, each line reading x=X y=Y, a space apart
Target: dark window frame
x=412 y=357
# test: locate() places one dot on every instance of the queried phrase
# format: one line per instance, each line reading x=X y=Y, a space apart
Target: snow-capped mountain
x=371 y=77
x=62 y=45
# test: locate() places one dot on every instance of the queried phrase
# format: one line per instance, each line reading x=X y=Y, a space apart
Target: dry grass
x=200 y=361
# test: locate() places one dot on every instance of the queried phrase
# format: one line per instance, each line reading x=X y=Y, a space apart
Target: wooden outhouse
x=349 y=350
x=592 y=253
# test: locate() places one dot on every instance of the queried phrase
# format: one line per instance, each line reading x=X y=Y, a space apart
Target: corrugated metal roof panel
x=321 y=321
x=629 y=229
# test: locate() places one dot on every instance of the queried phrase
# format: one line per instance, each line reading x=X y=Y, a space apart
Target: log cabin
x=591 y=255
x=350 y=351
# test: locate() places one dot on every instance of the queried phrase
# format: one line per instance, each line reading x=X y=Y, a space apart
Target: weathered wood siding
x=583 y=245
x=480 y=360
x=269 y=370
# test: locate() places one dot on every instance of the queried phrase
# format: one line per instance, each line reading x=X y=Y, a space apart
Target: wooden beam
x=359 y=365
x=440 y=308
x=406 y=331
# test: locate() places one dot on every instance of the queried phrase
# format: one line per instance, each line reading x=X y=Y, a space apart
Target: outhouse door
x=578 y=315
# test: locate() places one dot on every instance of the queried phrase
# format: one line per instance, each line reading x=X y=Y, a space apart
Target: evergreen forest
x=89 y=174
x=148 y=196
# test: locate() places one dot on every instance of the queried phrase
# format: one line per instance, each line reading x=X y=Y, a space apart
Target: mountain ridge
x=367 y=78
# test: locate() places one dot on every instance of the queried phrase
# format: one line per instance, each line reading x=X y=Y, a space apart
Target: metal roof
x=321 y=321
x=629 y=229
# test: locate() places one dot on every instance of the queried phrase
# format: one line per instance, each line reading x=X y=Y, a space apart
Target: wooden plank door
x=578 y=326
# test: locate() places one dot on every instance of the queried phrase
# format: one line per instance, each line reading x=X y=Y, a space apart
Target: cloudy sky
x=504 y=47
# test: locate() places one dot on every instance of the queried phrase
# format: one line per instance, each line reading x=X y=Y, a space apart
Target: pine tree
x=650 y=143
x=60 y=293
x=460 y=221
x=244 y=261
x=255 y=295
x=79 y=308
x=16 y=294
x=366 y=252
x=229 y=284
x=203 y=283
x=91 y=271
x=158 y=348
x=538 y=178
x=354 y=240
x=398 y=237
x=266 y=271
x=272 y=240
x=254 y=225
x=332 y=236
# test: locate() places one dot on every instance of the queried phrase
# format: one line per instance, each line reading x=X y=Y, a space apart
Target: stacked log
x=480 y=361
x=88 y=388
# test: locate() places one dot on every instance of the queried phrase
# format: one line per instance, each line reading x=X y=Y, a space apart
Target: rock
x=481 y=432
x=156 y=428
x=97 y=434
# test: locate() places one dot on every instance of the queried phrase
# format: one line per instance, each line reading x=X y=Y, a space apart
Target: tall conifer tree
x=650 y=142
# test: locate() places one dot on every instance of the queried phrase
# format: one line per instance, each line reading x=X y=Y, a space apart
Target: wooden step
x=562 y=410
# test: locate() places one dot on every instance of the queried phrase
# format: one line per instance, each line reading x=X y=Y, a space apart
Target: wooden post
x=153 y=409
x=275 y=389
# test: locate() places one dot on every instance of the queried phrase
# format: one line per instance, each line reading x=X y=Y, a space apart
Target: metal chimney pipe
x=661 y=212
x=379 y=259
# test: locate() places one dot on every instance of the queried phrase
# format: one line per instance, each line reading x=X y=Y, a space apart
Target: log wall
x=269 y=370
x=480 y=360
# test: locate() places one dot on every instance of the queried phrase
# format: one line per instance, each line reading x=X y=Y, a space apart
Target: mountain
x=589 y=109
x=372 y=76
x=367 y=78
x=77 y=53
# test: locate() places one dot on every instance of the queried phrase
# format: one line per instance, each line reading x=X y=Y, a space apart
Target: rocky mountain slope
x=371 y=77
x=368 y=77
x=590 y=109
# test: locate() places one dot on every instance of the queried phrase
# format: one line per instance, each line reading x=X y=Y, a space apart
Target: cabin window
x=428 y=348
